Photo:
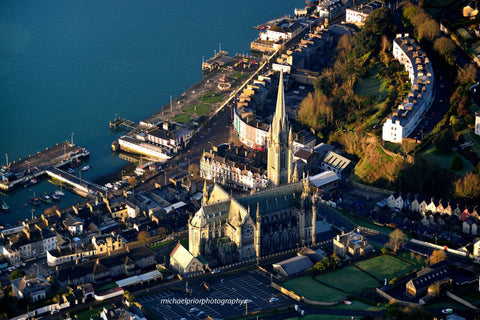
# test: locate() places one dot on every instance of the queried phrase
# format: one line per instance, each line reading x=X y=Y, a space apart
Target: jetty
x=119 y=123
x=22 y=171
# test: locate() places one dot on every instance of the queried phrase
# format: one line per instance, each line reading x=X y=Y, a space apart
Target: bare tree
x=468 y=187
x=397 y=240
x=437 y=256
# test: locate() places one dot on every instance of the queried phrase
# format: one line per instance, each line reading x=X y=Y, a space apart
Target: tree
x=429 y=30
x=397 y=240
x=467 y=75
x=434 y=289
x=457 y=163
x=437 y=256
x=16 y=274
x=194 y=171
x=468 y=187
x=444 y=46
x=143 y=236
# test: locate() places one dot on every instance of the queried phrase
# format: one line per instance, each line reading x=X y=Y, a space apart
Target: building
x=160 y=141
x=74 y=225
x=32 y=287
x=235 y=167
x=336 y=163
x=358 y=14
x=351 y=245
x=280 y=143
x=292 y=266
x=226 y=230
x=104 y=269
x=58 y=256
x=477 y=123
x=183 y=262
x=326 y=180
x=109 y=242
x=418 y=286
x=33 y=241
x=330 y=9
x=406 y=117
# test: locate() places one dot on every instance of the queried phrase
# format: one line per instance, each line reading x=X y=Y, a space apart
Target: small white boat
x=60 y=193
x=85 y=168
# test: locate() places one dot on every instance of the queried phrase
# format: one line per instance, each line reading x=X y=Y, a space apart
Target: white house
x=358 y=14
x=408 y=114
x=477 y=123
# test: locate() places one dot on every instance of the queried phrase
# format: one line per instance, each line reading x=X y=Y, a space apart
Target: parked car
x=273 y=299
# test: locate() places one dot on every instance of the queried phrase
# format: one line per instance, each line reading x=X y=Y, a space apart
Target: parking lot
x=232 y=290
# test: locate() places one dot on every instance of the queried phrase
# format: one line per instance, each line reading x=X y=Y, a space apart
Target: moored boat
x=60 y=193
x=85 y=168
x=55 y=196
x=46 y=198
x=5 y=206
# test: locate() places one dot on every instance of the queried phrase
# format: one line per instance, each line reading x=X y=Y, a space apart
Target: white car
x=273 y=299
x=447 y=311
x=194 y=310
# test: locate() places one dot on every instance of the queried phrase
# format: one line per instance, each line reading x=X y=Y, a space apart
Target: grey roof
x=294 y=265
x=335 y=160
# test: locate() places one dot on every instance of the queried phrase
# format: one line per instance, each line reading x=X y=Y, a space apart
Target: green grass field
x=211 y=97
x=445 y=160
x=386 y=267
x=182 y=118
x=356 y=305
x=349 y=279
x=311 y=289
x=372 y=86
x=94 y=313
x=199 y=109
x=320 y=317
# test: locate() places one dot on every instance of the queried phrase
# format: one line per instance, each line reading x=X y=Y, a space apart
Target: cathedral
x=229 y=229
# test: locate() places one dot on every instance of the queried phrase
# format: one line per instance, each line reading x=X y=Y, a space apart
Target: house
x=351 y=245
x=74 y=225
x=60 y=255
x=33 y=287
x=293 y=266
x=336 y=163
x=183 y=262
x=358 y=14
x=103 y=269
x=109 y=242
x=418 y=286
x=470 y=226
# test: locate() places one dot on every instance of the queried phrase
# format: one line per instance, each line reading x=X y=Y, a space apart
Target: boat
x=46 y=198
x=29 y=183
x=311 y=3
x=60 y=193
x=33 y=181
x=55 y=196
x=85 y=168
x=5 y=206
x=36 y=202
x=71 y=170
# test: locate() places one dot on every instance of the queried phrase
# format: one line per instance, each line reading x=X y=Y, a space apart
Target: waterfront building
x=330 y=9
x=160 y=141
x=358 y=14
x=477 y=123
x=408 y=114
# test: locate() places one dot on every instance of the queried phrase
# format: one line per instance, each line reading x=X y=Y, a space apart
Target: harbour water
x=68 y=67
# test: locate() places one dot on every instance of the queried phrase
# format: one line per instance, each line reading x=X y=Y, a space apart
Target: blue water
x=71 y=66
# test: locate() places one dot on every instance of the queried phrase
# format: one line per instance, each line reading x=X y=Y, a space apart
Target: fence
x=389 y=298
x=289 y=293
x=431 y=245
x=460 y=300
x=46 y=309
x=370 y=188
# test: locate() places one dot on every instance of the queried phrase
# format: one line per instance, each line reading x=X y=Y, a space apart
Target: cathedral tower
x=279 y=142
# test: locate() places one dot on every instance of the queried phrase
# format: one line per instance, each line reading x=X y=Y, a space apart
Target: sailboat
x=60 y=192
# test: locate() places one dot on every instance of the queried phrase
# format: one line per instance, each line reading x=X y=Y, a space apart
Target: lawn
x=184 y=242
x=199 y=109
x=238 y=76
x=407 y=256
x=356 y=305
x=182 y=118
x=365 y=223
x=349 y=279
x=211 y=97
x=445 y=160
x=386 y=267
x=161 y=244
x=311 y=289
x=372 y=86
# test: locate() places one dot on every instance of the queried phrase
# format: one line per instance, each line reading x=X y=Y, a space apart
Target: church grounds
x=337 y=285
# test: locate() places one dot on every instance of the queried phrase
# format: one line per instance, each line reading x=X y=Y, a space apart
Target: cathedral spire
x=280 y=114
x=205 y=193
x=295 y=174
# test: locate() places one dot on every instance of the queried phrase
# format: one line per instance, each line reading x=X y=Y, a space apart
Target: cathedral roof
x=208 y=214
x=273 y=199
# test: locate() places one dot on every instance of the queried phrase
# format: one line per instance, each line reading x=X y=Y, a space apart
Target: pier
x=81 y=186
x=119 y=123
x=22 y=171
